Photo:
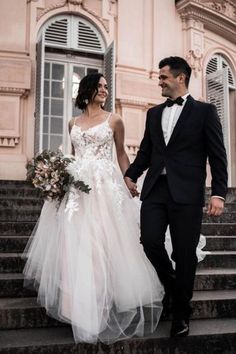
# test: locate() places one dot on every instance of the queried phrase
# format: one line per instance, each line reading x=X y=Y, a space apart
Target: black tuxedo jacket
x=196 y=137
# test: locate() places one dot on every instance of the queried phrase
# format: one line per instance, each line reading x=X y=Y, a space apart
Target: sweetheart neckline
x=94 y=126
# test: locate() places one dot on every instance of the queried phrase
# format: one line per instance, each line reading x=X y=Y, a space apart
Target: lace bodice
x=95 y=142
x=94 y=165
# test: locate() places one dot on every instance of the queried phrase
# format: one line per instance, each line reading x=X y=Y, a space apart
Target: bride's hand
x=131 y=186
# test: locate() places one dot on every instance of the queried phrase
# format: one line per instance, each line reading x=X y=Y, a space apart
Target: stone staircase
x=26 y=329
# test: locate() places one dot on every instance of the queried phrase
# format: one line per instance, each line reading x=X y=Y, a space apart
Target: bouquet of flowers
x=47 y=171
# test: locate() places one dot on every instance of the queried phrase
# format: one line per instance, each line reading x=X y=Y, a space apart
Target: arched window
x=69 y=48
x=220 y=84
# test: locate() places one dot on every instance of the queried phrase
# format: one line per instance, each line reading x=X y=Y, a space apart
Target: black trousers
x=157 y=212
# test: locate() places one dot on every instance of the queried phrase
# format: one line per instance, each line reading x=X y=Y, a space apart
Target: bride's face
x=102 y=93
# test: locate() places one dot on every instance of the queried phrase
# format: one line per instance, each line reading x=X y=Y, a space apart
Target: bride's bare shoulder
x=115 y=119
x=72 y=121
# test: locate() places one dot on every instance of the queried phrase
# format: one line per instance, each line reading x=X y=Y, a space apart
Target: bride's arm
x=71 y=122
x=119 y=135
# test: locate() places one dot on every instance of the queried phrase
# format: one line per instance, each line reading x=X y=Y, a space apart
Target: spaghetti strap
x=74 y=120
x=109 y=116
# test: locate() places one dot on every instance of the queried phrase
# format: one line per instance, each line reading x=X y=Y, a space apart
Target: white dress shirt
x=170 y=116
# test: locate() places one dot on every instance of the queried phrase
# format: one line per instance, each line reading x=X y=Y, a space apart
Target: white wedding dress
x=85 y=258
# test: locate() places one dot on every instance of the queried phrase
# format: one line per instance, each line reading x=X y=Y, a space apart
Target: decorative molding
x=194 y=58
x=132 y=103
x=76 y=3
x=9 y=142
x=105 y=23
x=14 y=91
x=41 y=13
x=218 y=16
x=224 y=7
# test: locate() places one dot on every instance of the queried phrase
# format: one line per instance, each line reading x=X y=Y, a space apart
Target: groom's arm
x=217 y=160
x=142 y=160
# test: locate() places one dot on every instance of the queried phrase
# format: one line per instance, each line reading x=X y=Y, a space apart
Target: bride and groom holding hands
x=98 y=275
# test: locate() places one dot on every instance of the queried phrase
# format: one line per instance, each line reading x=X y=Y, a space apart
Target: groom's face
x=169 y=83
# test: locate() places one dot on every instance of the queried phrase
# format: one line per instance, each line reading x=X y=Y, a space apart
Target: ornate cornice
x=224 y=7
x=219 y=16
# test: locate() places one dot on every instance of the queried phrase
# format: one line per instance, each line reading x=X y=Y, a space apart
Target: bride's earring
x=86 y=101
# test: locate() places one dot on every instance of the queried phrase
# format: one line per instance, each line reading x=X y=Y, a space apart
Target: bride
x=85 y=258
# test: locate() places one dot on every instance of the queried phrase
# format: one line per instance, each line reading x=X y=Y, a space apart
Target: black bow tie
x=169 y=103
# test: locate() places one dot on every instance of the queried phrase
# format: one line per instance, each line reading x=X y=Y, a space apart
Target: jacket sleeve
x=216 y=153
x=142 y=160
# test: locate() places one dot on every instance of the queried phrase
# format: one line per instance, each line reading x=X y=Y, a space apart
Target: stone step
x=224 y=229
x=11 y=263
x=11 y=284
x=21 y=204
x=13 y=243
x=26 y=313
x=21 y=215
x=214 y=336
x=229 y=207
x=215 y=279
x=25 y=228
x=226 y=217
x=220 y=243
x=213 y=243
x=219 y=259
x=214 y=304
x=21 y=192
x=10 y=228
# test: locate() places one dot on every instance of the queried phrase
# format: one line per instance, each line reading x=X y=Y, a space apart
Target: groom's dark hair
x=177 y=66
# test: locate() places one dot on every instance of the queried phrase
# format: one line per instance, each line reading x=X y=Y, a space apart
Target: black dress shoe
x=180 y=328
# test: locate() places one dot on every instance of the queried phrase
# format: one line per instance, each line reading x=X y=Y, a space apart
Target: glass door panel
x=54 y=97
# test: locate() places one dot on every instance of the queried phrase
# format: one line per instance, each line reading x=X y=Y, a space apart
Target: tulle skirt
x=86 y=261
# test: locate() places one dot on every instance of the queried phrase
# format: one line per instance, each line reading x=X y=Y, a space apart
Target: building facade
x=47 y=46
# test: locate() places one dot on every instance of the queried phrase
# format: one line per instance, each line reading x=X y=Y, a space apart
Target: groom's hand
x=215 y=206
x=131 y=186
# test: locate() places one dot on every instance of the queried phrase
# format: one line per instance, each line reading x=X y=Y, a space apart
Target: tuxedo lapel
x=159 y=125
x=182 y=118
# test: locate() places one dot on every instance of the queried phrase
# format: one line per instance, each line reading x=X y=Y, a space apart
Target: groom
x=180 y=135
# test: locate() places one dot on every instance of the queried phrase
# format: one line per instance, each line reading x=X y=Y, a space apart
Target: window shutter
x=109 y=73
x=39 y=94
x=217 y=93
x=89 y=39
x=212 y=66
x=217 y=62
x=57 y=33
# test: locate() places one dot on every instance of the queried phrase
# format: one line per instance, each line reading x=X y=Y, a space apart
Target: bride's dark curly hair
x=88 y=88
